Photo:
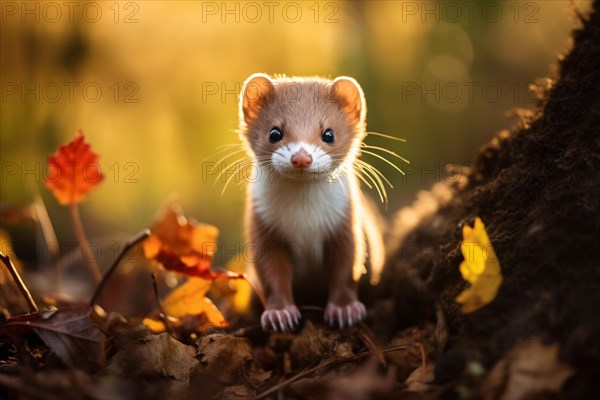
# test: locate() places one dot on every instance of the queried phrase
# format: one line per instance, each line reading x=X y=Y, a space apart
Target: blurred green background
x=153 y=85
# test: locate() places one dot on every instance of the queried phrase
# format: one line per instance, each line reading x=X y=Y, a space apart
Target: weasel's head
x=302 y=127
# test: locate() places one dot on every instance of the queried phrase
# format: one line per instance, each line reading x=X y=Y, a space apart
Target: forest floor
x=534 y=335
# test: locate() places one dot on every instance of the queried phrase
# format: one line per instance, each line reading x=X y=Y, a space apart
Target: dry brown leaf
x=228 y=359
x=419 y=381
x=141 y=353
x=69 y=333
x=526 y=372
x=313 y=342
x=353 y=382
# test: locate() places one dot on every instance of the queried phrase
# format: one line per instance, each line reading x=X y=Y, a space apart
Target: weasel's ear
x=351 y=97
x=256 y=92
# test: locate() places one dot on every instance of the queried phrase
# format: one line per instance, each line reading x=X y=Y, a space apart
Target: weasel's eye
x=327 y=136
x=275 y=135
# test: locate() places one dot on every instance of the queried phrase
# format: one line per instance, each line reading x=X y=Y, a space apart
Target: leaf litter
x=185 y=346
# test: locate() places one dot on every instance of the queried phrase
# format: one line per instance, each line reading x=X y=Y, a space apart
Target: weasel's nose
x=302 y=159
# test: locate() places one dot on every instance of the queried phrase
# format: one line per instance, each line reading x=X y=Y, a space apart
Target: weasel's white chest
x=304 y=213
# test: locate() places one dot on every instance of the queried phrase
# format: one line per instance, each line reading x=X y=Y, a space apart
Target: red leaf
x=73 y=171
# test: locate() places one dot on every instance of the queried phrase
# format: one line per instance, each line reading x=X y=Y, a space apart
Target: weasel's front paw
x=345 y=316
x=280 y=320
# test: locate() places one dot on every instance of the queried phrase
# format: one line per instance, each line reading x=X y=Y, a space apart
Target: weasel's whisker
x=221 y=149
x=224 y=146
x=337 y=178
x=376 y=172
x=384 y=159
x=229 y=155
x=387 y=151
x=376 y=183
x=236 y=173
x=362 y=178
x=386 y=136
x=239 y=161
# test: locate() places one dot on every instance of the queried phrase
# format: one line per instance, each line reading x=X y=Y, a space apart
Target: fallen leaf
x=365 y=381
x=190 y=299
x=420 y=380
x=233 y=295
x=528 y=371
x=225 y=358
x=154 y=325
x=73 y=171
x=182 y=245
x=141 y=353
x=480 y=268
x=69 y=333
x=315 y=341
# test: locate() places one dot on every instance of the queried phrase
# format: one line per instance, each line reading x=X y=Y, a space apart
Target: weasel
x=305 y=210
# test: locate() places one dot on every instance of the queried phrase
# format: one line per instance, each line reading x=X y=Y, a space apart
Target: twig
x=161 y=310
x=140 y=237
x=17 y=278
x=423 y=360
x=365 y=335
x=48 y=233
x=331 y=361
x=84 y=244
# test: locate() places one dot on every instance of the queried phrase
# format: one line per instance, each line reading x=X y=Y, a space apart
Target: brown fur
x=303 y=108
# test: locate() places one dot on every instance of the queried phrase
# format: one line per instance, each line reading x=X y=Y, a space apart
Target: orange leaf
x=73 y=171
x=189 y=299
x=182 y=245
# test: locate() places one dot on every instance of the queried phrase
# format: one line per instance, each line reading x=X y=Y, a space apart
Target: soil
x=537 y=189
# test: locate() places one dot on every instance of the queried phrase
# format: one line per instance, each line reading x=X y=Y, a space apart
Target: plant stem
x=48 y=233
x=17 y=278
x=84 y=244
x=161 y=310
x=140 y=237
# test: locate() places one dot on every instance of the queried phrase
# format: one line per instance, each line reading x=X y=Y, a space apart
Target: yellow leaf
x=189 y=299
x=243 y=290
x=154 y=325
x=480 y=268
